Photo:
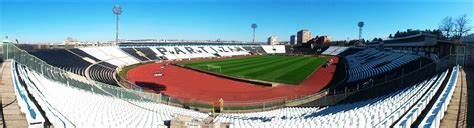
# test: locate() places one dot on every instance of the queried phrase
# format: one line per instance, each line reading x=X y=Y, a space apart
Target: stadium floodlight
x=360 y=24
x=254 y=26
x=117 y=11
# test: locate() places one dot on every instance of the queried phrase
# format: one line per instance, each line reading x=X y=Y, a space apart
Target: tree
x=438 y=33
x=447 y=26
x=462 y=26
x=390 y=36
x=397 y=34
x=375 y=39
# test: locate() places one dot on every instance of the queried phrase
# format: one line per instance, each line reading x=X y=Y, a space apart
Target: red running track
x=186 y=83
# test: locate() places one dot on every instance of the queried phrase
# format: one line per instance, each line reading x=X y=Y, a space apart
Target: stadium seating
x=190 y=52
x=280 y=48
x=84 y=55
x=436 y=113
x=135 y=53
x=254 y=49
x=378 y=112
x=334 y=50
x=75 y=61
x=238 y=53
x=370 y=62
x=148 y=53
x=259 y=117
x=270 y=49
x=415 y=111
x=103 y=72
x=287 y=49
x=112 y=55
x=67 y=106
x=33 y=115
x=350 y=51
x=131 y=55
x=71 y=106
x=63 y=59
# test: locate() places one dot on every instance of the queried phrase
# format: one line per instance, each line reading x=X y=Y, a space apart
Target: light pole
x=117 y=11
x=360 y=24
x=254 y=26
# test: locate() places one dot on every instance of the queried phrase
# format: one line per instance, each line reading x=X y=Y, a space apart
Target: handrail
x=434 y=63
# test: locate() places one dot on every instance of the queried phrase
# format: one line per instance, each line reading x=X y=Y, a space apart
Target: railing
x=229 y=106
x=10 y=51
x=378 y=89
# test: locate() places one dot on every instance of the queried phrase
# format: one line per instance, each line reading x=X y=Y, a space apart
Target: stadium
x=232 y=85
x=413 y=78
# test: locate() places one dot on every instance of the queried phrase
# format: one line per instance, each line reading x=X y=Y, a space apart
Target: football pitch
x=280 y=69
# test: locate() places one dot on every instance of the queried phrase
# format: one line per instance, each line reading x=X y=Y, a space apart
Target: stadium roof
x=422 y=39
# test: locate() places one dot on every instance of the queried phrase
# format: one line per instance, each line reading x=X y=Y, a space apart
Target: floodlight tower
x=360 y=24
x=117 y=11
x=254 y=26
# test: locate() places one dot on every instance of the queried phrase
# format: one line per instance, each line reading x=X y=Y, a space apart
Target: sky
x=49 y=21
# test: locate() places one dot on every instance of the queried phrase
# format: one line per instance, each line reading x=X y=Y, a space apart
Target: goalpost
x=211 y=67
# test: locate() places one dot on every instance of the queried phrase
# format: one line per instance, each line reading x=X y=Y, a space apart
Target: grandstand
x=84 y=89
x=370 y=62
x=95 y=108
x=70 y=61
x=137 y=54
x=112 y=55
x=102 y=72
x=255 y=49
x=148 y=53
x=334 y=50
x=383 y=111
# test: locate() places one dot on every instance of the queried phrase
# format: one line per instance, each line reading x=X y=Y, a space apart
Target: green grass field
x=280 y=69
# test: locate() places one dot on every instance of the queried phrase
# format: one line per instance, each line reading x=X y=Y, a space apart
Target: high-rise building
x=303 y=36
x=293 y=40
x=272 y=40
x=320 y=41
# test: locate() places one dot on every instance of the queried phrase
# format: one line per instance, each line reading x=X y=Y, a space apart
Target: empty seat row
x=189 y=52
x=436 y=112
x=68 y=106
x=148 y=53
x=382 y=111
x=370 y=62
x=334 y=50
x=270 y=49
x=414 y=112
x=27 y=106
x=63 y=59
x=84 y=55
x=254 y=49
x=135 y=53
x=101 y=73
x=111 y=54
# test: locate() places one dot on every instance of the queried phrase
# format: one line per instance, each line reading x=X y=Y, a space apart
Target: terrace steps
x=11 y=114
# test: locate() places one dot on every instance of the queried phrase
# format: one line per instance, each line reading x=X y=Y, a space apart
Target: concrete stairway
x=11 y=114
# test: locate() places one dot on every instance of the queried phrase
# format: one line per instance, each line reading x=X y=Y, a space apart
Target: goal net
x=215 y=68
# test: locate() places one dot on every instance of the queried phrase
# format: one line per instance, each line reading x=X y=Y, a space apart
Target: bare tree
x=462 y=26
x=447 y=26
